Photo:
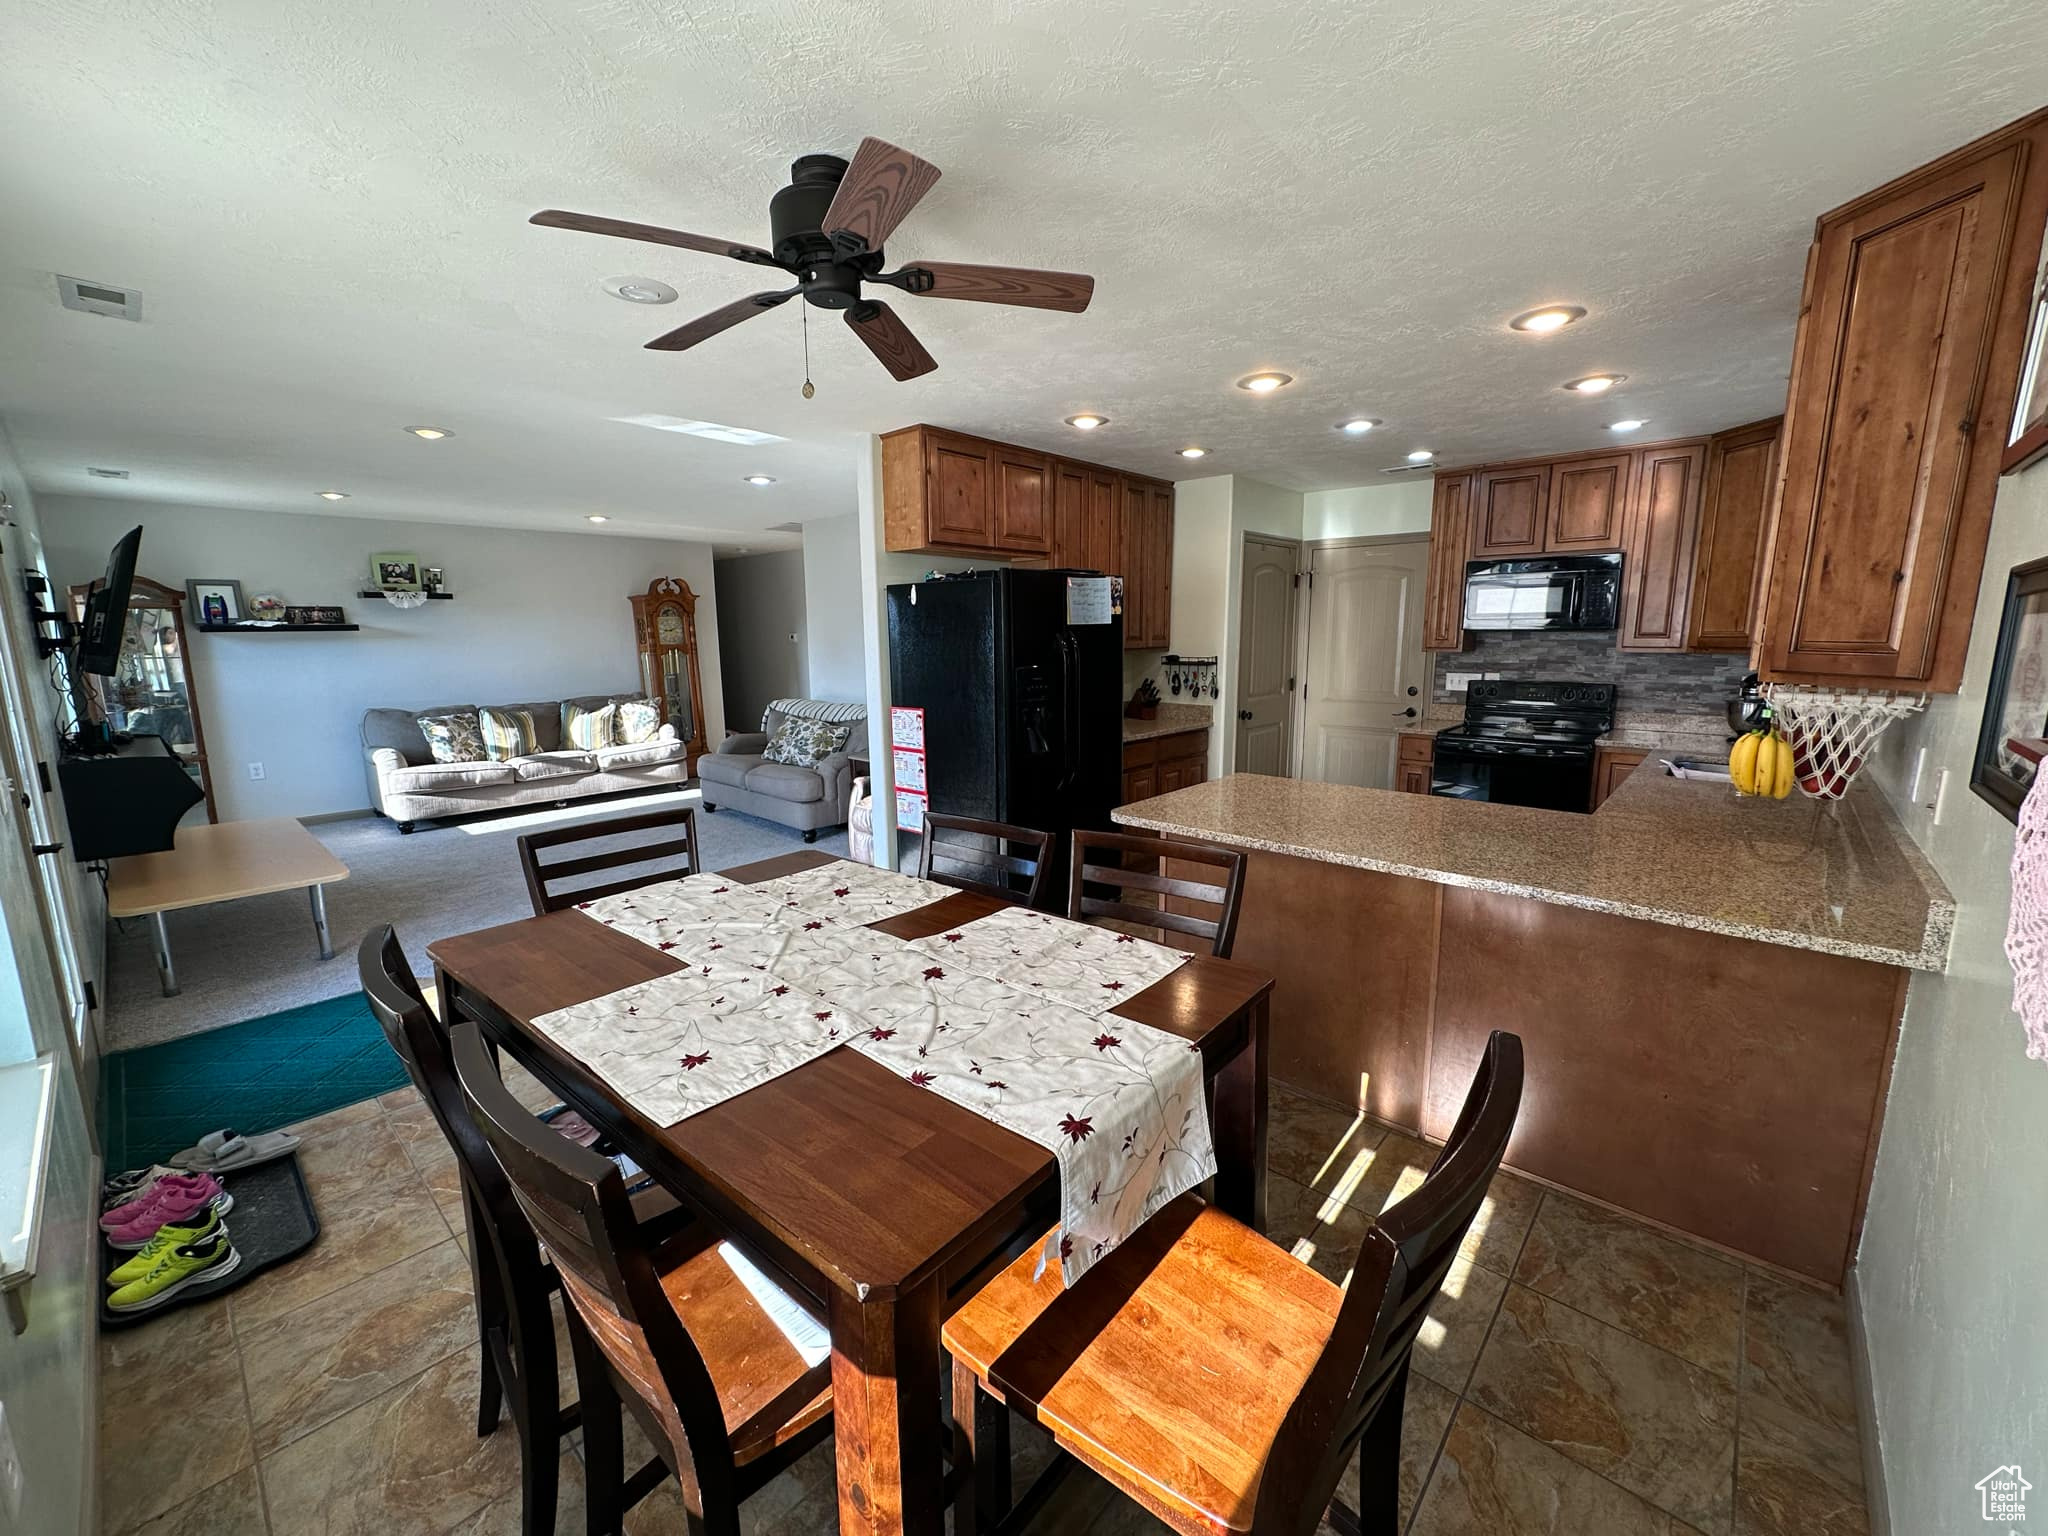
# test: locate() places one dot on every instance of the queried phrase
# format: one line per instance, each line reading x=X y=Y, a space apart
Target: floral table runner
x=1092 y=969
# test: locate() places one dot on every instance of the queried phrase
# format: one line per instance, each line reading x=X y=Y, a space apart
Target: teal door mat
x=260 y=1075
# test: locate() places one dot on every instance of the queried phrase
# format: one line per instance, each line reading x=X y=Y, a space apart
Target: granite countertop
x=1173 y=720
x=1841 y=877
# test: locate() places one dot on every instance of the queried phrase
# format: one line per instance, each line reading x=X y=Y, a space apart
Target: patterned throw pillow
x=455 y=738
x=801 y=743
x=589 y=729
x=639 y=721
x=508 y=733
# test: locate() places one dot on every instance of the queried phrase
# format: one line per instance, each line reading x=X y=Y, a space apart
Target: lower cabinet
x=1411 y=765
x=1611 y=765
x=1162 y=764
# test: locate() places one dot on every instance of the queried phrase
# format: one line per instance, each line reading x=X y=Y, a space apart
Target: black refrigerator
x=1021 y=680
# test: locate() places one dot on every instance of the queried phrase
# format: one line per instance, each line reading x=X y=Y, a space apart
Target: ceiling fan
x=828 y=227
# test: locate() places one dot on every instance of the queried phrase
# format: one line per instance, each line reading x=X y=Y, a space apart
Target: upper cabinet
x=1903 y=375
x=1443 y=617
x=951 y=494
x=1657 y=560
x=1550 y=507
x=1509 y=510
x=1734 y=520
x=1588 y=502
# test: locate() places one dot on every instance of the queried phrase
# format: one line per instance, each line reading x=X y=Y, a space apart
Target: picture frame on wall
x=2009 y=742
x=395 y=571
x=214 y=600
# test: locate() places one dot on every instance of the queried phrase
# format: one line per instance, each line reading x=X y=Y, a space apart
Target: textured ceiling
x=323 y=206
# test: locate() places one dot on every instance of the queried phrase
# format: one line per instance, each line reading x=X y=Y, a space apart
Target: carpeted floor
x=243 y=960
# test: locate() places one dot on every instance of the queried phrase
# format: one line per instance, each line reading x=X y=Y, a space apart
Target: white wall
x=762 y=648
x=1201 y=575
x=832 y=575
x=535 y=616
x=1948 y=1278
x=1362 y=511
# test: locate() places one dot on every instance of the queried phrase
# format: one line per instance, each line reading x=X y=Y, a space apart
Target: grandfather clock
x=665 y=629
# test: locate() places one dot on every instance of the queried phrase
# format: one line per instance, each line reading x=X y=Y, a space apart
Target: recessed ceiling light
x=1551 y=317
x=1421 y=456
x=334 y=495
x=1087 y=421
x=431 y=434
x=639 y=290
x=1265 y=383
x=1357 y=426
x=1594 y=383
x=595 y=517
x=1630 y=424
x=1192 y=452
x=760 y=479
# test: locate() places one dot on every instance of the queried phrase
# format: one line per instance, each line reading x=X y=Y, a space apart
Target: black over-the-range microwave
x=1544 y=592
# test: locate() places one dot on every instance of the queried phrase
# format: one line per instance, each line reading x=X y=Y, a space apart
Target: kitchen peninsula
x=1708 y=988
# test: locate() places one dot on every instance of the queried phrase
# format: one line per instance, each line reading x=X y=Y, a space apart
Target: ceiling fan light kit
x=827 y=230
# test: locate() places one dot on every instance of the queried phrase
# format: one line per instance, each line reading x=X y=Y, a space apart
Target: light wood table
x=222 y=863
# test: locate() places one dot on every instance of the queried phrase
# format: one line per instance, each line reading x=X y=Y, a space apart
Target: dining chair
x=666 y=1328
x=1127 y=864
x=1210 y=1375
x=551 y=884
x=984 y=856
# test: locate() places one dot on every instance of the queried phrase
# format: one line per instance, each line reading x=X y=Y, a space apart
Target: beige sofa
x=806 y=799
x=408 y=786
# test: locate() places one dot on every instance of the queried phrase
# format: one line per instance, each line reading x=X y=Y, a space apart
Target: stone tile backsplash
x=1647 y=680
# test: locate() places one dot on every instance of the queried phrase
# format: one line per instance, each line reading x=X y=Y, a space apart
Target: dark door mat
x=273 y=1220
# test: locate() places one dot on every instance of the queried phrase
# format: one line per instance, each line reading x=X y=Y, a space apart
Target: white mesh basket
x=406 y=599
x=1831 y=731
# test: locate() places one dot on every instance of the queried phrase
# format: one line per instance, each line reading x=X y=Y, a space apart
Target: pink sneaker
x=175 y=1206
x=176 y=1185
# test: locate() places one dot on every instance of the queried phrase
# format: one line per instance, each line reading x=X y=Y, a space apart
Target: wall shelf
x=439 y=597
x=275 y=629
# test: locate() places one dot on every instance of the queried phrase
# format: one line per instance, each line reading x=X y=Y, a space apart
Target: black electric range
x=1524 y=743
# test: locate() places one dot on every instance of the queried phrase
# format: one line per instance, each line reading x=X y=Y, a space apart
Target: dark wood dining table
x=887 y=1204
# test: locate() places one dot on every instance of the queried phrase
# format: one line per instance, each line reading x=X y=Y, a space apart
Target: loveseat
x=408 y=785
x=807 y=799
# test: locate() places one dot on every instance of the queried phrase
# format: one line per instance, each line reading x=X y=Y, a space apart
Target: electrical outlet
x=10 y=1472
x=1458 y=682
x=255 y=770
x=1919 y=768
x=1940 y=796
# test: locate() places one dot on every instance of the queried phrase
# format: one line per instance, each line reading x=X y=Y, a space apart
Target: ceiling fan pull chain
x=810 y=389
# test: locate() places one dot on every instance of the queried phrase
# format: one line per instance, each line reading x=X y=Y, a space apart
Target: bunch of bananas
x=1761 y=764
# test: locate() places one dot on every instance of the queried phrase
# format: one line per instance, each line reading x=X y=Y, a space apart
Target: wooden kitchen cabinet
x=1734 y=521
x=1663 y=523
x=1510 y=510
x=1069 y=515
x=1162 y=764
x=1443 y=616
x=1904 y=369
x=1022 y=515
x=1158 y=565
x=1611 y=765
x=1414 y=753
x=1588 y=504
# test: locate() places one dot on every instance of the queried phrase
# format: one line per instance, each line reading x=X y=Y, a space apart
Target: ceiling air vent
x=1427 y=466
x=105 y=474
x=99 y=298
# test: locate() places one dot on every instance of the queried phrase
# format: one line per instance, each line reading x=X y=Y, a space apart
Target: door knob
x=1244 y=714
x=1408 y=713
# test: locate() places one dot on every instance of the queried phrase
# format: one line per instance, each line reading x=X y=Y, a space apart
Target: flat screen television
x=106 y=610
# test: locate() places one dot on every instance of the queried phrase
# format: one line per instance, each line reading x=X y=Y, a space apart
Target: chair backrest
x=554 y=884
x=1101 y=859
x=575 y=1200
x=1363 y=1370
x=990 y=856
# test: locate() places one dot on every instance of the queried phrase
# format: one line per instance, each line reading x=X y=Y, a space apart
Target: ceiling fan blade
x=705 y=326
x=890 y=340
x=881 y=185
x=626 y=229
x=1069 y=291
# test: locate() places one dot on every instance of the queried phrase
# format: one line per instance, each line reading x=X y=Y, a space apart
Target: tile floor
x=1581 y=1373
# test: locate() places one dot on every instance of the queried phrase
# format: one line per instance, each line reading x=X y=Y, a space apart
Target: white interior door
x=1367 y=673
x=1265 y=656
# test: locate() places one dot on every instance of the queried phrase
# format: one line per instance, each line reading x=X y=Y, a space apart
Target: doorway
x=1265 y=656
x=1367 y=674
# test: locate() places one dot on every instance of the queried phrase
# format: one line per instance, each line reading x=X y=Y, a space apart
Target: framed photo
x=2028 y=444
x=395 y=571
x=214 y=601
x=313 y=614
x=2009 y=743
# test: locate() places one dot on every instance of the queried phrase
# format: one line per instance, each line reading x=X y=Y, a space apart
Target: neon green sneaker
x=186 y=1264
x=195 y=1229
